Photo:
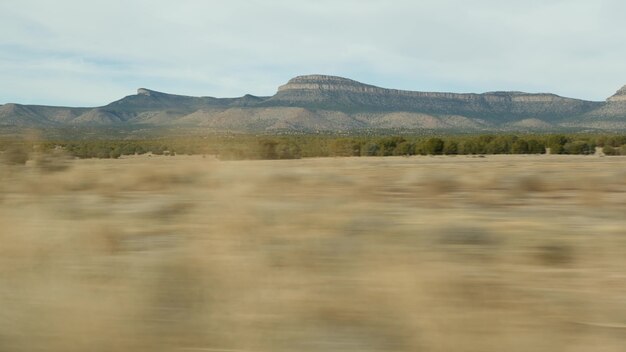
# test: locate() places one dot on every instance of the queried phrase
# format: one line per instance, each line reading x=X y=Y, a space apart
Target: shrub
x=115 y=153
x=404 y=148
x=433 y=146
x=450 y=147
x=556 y=143
x=579 y=147
x=15 y=155
x=613 y=151
x=520 y=146
x=267 y=149
x=470 y=147
x=370 y=149
x=287 y=150
x=535 y=147
x=53 y=161
x=389 y=144
x=500 y=145
x=344 y=147
x=555 y=254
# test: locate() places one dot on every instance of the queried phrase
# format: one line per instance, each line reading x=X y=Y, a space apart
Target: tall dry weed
x=395 y=254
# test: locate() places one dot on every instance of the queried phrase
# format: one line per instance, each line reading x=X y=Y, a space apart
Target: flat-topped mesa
x=340 y=84
x=325 y=83
x=620 y=95
x=330 y=83
x=317 y=103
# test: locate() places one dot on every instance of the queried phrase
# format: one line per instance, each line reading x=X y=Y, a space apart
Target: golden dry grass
x=504 y=253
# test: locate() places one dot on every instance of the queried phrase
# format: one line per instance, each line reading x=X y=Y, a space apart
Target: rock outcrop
x=619 y=96
x=316 y=103
x=336 y=93
x=323 y=83
x=144 y=91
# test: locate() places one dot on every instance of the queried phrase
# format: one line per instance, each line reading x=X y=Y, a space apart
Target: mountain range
x=318 y=103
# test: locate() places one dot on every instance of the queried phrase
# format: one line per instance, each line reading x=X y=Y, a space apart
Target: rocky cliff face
x=327 y=83
x=327 y=103
x=144 y=91
x=321 y=83
x=336 y=93
x=619 y=96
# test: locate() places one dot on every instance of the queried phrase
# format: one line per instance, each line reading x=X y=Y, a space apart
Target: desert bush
x=115 y=153
x=530 y=183
x=500 y=145
x=579 y=147
x=345 y=147
x=404 y=148
x=158 y=150
x=53 y=161
x=431 y=146
x=520 y=147
x=288 y=150
x=388 y=145
x=555 y=254
x=536 y=147
x=611 y=141
x=470 y=243
x=267 y=149
x=470 y=147
x=15 y=155
x=556 y=143
x=370 y=149
x=438 y=185
x=609 y=150
x=296 y=146
x=450 y=148
x=612 y=151
x=466 y=236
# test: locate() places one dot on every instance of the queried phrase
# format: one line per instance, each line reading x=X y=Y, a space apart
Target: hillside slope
x=317 y=103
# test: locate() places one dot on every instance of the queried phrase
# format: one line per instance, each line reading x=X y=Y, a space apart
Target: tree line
x=233 y=147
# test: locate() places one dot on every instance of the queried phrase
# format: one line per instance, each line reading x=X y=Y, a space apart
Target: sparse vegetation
x=16 y=154
x=507 y=253
x=303 y=146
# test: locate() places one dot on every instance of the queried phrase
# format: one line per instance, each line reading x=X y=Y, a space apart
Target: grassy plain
x=185 y=253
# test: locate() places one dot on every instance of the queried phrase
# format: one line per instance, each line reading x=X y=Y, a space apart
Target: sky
x=89 y=53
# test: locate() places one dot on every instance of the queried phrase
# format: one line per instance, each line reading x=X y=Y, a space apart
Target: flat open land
x=184 y=253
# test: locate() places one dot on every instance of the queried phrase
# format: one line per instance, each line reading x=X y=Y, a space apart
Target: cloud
x=89 y=53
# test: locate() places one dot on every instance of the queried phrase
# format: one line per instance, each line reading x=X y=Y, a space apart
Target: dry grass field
x=503 y=253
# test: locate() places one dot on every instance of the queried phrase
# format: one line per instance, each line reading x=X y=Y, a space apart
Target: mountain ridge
x=314 y=103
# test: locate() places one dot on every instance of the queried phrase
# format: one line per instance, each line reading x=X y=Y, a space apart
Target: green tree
x=345 y=147
x=115 y=153
x=556 y=143
x=267 y=149
x=535 y=147
x=288 y=150
x=520 y=146
x=450 y=147
x=609 y=150
x=389 y=144
x=468 y=146
x=579 y=147
x=500 y=145
x=433 y=146
x=370 y=149
x=404 y=148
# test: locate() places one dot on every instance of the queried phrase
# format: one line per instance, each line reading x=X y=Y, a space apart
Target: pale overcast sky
x=89 y=53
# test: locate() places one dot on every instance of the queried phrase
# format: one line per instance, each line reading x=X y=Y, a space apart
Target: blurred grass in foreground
x=503 y=253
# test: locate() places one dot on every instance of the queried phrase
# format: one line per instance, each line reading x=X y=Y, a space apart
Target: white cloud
x=229 y=48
